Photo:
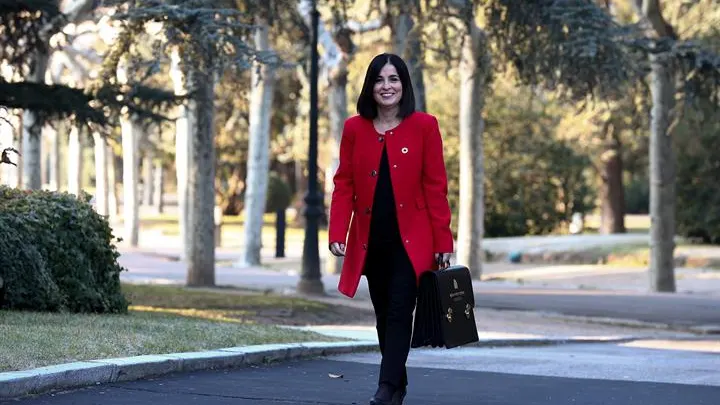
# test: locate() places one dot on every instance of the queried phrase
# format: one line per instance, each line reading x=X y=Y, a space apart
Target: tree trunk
x=53 y=167
x=31 y=148
x=148 y=166
x=612 y=194
x=406 y=43
x=75 y=161
x=131 y=207
x=45 y=156
x=261 y=98
x=159 y=185
x=662 y=155
x=183 y=129
x=474 y=66
x=200 y=251
x=337 y=105
x=662 y=175
x=102 y=192
x=112 y=183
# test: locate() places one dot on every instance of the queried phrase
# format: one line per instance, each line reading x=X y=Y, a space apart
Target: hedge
x=58 y=254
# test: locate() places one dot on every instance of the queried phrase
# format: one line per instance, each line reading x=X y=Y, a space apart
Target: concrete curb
x=40 y=380
x=542 y=341
x=633 y=323
x=94 y=372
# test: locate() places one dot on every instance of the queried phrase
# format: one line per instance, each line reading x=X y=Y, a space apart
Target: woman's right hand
x=337 y=249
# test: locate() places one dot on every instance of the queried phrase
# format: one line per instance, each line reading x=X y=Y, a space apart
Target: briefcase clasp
x=468 y=308
x=449 y=315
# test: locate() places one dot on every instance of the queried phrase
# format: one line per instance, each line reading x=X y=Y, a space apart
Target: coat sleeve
x=341 y=204
x=435 y=187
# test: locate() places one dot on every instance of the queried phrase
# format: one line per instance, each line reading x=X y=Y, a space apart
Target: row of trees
x=155 y=60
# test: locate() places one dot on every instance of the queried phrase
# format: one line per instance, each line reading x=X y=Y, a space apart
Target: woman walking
x=391 y=194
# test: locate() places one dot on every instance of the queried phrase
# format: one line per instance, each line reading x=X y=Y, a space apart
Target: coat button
x=367 y=210
x=355 y=197
x=364 y=246
x=381 y=138
x=373 y=173
x=407 y=241
x=394 y=166
x=391 y=132
x=401 y=205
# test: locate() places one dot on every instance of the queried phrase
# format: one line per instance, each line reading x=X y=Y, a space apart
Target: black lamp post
x=310 y=277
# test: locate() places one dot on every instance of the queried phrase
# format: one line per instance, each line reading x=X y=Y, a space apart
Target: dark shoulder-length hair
x=366 y=105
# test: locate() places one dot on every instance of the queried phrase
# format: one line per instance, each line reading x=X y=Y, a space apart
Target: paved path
x=559 y=243
x=560 y=375
x=676 y=310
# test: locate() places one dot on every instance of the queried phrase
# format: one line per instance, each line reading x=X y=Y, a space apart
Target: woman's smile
x=388 y=87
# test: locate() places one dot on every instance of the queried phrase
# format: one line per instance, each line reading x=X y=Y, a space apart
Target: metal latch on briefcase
x=468 y=309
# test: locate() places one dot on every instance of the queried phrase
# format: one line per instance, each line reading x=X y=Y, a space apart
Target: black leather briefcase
x=445 y=315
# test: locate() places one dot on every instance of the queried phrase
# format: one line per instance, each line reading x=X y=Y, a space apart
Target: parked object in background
x=515 y=257
x=577 y=224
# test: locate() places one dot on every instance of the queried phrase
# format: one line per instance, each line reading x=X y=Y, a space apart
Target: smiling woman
x=391 y=196
x=387 y=94
x=388 y=89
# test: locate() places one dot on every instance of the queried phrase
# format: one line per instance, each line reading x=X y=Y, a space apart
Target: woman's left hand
x=443 y=260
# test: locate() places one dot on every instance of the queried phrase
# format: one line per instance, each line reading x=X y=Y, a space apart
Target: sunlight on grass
x=161 y=320
x=180 y=297
x=207 y=314
x=638 y=255
x=633 y=223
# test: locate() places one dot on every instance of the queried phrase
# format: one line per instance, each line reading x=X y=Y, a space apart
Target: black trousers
x=393 y=291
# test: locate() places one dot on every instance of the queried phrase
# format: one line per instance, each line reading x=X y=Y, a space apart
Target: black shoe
x=385 y=395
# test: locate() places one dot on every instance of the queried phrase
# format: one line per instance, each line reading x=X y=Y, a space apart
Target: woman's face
x=388 y=87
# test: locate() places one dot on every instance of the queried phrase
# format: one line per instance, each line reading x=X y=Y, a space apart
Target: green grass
x=141 y=295
x=161 y=320
x=638 y=255
x=232 y=226
x=633 y=223
x=626 y=249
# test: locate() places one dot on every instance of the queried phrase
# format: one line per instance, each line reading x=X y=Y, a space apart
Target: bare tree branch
x=90 y=55
x=651 y=12
x=5 y=158
x=78 y=10
x=367 y=26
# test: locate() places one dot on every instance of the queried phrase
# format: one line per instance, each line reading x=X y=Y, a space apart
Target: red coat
x=419 y=179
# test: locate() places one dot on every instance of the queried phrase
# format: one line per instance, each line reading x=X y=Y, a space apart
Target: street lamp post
x=310 y=277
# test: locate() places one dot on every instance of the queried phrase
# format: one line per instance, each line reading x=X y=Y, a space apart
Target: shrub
x=76 y=245
x=27 y=283
x=637 y=196
x=698 y=170
x=279 y=194
x=533 y=181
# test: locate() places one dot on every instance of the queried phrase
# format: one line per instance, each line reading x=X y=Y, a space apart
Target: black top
x=383 y=223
